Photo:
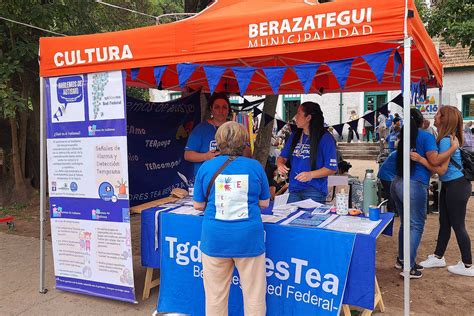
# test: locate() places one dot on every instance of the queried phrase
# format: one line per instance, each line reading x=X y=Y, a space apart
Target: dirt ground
x=437 y=293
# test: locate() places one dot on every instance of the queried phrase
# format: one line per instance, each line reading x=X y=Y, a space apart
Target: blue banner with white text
x=157 y=134
x=299 y=281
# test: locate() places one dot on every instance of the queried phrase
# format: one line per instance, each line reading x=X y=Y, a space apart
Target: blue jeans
x=309 y=193
x=418 y=199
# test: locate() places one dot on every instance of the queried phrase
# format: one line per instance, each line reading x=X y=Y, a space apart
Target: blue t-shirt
x=300 y=161
x=388 y=170
x=389 y=121
x=202 y=140
x=391 y=139
x=452 y=172
x=232 y=225
x=425 y=142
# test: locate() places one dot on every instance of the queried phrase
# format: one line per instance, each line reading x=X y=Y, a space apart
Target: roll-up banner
x=88 y=184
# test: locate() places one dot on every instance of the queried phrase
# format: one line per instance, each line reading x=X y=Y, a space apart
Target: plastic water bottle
x=342 y=203
x=370 y=191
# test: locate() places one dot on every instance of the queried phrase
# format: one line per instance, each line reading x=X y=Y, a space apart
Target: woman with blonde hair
x=232 y=189
x=454 y=194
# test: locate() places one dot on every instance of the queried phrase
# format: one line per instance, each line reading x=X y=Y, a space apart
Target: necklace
x=302 y=145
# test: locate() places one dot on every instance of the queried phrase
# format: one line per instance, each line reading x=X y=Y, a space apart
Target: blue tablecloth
x=360 y=285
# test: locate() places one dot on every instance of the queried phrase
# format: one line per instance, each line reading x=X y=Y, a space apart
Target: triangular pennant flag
x=280 y=125
x=306 y=74
x=256 y=111
x=397 y=60
x=274 y=76
x=378 y=62
x=268 y=119
x=213 y=74
x=158 y=73
x=184 y=73
x=243 y=75
x=369 y=117
x=341 y=69
x=383 y=110
x=293 y=128
x=354 y=124
x=134 y=73
x=398 y=100
x=338 y=128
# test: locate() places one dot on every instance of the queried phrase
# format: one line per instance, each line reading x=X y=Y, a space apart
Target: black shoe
x=414 y=274
x=399 y=265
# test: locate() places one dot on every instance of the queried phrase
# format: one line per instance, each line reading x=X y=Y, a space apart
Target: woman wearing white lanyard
x=311 y=153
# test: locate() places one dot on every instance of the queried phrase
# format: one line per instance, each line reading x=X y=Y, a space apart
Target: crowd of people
x=231 y=189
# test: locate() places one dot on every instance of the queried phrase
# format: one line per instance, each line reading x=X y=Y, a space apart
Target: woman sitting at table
x=311 y=151
x=232 y=229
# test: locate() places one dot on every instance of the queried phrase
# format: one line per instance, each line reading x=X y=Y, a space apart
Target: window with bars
x=468 y=106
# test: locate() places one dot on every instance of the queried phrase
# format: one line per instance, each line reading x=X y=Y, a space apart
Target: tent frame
x=407 y=44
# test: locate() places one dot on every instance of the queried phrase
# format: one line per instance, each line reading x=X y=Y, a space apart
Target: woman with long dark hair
x=455 y=193
x=424 y=144
x=311 y=154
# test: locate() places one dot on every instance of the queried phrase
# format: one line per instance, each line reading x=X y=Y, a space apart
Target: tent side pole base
x=406 y=172
x=42 y=288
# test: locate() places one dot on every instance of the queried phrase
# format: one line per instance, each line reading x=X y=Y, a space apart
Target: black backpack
x=467 y=159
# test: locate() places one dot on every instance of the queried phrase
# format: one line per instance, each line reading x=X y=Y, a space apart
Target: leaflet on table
x=187 y=210
x=319 y=220
x=353 y=224
x=93 y=256
x=280 y=200
x=271 y=218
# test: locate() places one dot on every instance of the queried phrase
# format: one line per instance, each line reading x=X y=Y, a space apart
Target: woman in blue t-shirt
x=311 y=153
x=424 y=144
x=201 y=144
x=454 y=195
x=232 y=229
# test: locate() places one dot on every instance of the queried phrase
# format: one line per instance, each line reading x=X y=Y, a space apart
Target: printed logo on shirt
x=231 y=197
x=333 y=162
x=213 y=145
x=302 y=151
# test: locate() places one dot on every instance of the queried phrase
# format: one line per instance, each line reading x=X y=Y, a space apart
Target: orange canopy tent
x=262 y=33
x=257 y=33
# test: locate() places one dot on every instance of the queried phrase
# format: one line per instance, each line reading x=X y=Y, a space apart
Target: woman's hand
x=415 y=156
x=282 y=169
x=304 y=176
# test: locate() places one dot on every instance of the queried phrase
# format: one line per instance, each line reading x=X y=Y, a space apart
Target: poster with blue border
x=88 y=184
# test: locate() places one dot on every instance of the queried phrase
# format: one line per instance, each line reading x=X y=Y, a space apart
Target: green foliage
x=453 y=20
x=19 y=44
x=138 y=93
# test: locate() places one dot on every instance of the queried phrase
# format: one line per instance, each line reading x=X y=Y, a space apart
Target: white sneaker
x=433 y=262
x=461 y=269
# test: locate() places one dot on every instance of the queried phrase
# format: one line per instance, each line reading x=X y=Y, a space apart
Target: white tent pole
x=406 y=172
x=42 y=289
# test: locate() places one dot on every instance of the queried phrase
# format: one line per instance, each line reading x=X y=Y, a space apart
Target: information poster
x=88 y=185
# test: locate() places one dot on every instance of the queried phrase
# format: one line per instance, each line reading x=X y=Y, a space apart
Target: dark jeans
x=369 y=130
x=351 y=135
x=417 y=214
x=386 y=189
x=309 y=193
x=454 y=196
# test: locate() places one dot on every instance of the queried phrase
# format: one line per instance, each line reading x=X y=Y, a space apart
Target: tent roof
x=258 y=33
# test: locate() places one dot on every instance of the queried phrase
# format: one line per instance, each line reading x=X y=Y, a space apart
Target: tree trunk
x=22 y=138
x=16 y=160
x=264 y=137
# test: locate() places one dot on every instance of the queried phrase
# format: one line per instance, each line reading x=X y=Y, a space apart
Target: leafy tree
x=19 y=93
x=453 y=21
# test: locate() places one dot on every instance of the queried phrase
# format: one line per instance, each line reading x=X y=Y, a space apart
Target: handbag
x=211 y=183
x=467 y=160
